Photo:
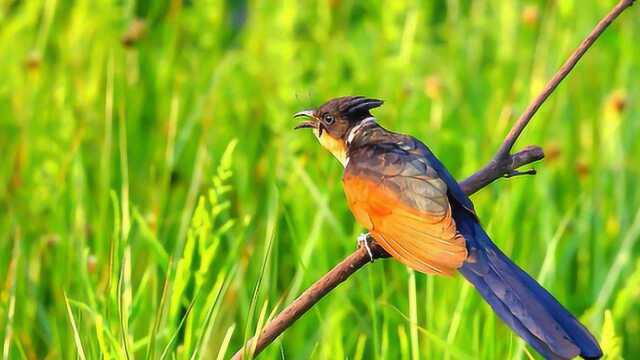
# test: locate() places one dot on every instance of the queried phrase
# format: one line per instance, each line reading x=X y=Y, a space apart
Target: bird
x=414 y=209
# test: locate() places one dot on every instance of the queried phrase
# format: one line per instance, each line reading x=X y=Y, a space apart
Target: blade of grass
x=457 y=315
x=413 y=316
x=124 y=173
x=151 y=239
x=173 y=338
x=192 y=195
x=224 y=346
x=11 y=278
x=100 y=335
x=114 y=251
x=76 y=335
x=151 y=347
x=270 y=236
x=619 y=263
x=261 y=320
x=124 y=300
x=213 y=303
x=455 y=352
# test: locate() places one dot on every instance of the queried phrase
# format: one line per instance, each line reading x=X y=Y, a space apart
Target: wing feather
x=425 y=241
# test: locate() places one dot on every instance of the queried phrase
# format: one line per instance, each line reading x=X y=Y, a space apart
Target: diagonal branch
x=565 y=69
x=504 y=164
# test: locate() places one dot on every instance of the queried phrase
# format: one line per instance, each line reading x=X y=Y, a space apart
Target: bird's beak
x=309 y=123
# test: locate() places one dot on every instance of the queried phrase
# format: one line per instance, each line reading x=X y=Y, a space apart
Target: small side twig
x=504 y=164
x=499 y=167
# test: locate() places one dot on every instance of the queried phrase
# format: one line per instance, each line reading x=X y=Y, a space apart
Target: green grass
x=155 y=202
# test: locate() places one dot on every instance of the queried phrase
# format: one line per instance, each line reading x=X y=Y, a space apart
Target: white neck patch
x=354 y=130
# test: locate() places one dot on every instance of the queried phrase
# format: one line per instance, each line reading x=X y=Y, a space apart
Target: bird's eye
x=328 y=119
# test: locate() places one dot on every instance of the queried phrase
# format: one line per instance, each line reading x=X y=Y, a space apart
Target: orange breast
x=426 y=242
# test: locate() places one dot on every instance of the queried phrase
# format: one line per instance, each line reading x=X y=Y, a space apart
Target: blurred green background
x=155 y=202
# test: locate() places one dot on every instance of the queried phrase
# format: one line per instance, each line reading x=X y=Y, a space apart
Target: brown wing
x=404 y=205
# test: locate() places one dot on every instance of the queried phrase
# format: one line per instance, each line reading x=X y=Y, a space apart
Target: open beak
x=309 y=123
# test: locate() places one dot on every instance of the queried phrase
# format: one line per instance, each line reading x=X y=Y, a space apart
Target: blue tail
x=529 y=309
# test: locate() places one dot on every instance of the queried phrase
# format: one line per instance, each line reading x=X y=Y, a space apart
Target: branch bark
x=504 y=164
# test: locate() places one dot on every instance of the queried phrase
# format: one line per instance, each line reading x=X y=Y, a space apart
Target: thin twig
x=503 y=164
x=566 y=68
x=497 y=168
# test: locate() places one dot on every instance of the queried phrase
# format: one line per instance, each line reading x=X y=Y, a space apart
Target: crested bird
x=410 y=205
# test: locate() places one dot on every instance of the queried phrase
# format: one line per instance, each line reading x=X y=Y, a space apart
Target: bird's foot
x=364 y=240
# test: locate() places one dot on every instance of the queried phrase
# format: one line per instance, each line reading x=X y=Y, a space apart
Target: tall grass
x=155 y=202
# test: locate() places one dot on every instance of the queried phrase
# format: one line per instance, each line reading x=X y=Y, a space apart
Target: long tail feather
x=523 y=304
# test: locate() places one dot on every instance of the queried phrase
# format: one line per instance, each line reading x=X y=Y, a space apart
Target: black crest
x=354 y=107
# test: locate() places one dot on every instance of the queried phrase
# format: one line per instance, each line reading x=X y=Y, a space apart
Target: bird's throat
x=337 y=147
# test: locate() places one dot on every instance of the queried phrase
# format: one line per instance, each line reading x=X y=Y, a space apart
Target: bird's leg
x=364 y=240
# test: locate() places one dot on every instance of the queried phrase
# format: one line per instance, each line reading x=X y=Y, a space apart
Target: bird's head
x=332 y=121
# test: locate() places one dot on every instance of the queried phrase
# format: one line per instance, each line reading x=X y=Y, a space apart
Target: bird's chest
x=366 y=199
x=335 y=146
